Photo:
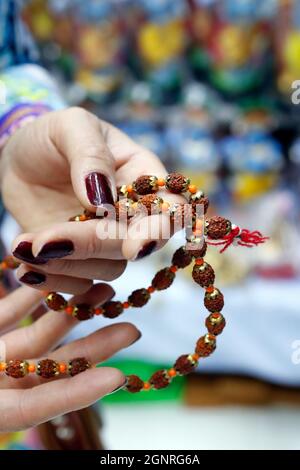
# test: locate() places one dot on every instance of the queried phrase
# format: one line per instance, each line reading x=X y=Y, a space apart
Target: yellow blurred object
x=96 y=83
x=250 y=185
x=98 y=45
x=291 y=62
x=235 y=46
x=159 y=43
x=206 y=181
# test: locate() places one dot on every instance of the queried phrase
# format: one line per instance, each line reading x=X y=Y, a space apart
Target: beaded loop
x=142 y=195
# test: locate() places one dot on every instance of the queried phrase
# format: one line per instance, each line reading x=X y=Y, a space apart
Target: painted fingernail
x=32 y=278
x=57 y=249
x=24 y=253
x=146 y=250
x=98 y=189
x=119 y=388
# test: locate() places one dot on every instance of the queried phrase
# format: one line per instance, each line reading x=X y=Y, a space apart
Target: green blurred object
x=143 y=369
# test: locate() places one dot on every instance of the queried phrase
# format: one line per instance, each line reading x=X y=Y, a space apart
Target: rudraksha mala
x=142 y=194
x=45 y=368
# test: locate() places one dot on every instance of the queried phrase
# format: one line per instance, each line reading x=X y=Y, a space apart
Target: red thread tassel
x=244 y=238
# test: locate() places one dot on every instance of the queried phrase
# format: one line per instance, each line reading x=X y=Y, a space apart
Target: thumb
x=78 y=135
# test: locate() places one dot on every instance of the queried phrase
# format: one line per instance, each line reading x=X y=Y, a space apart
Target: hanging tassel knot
x=242 y=237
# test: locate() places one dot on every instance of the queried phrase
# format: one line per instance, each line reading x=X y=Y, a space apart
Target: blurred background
x=207 y=86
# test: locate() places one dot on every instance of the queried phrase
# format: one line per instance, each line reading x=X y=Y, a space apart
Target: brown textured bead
x=217 y=227
x=55 y=301
x=163 y=279
x=139 y=297
x=123 y=209
x=83 y=312
x=134 y=384
x=152 y=203
x=198 y=252
x=215 y=323
x=47 y=368
x=214 y=302
x=78 y=365
x=17 y=369
x=199 y=199
x=159 y=379
x=181 y=258
x=203 y=275
x=182 y=215
x=112 y=309
x=177 y=183
x=206 y=345
x=145 y=184
x=184 y=365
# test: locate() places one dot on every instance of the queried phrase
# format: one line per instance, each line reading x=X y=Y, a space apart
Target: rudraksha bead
x=159 y=379
x=152 y=203
x=139 y=297
x=215 y=323
x=199 y=251
x=218 y=227
x=83 y=312
x=145 y=184
x=177 y=183
x=203 y=275
x=123 y=209
x=184 y=364
x=78 y=365
x=206 y=345
x=214 y=301
x=163 y=279
x=17 y=369
x=199 y=199
x=134 y=384
x=182 y=258
x=112 y=309
x=182 y=215
x=55 y=301
x=47 y=368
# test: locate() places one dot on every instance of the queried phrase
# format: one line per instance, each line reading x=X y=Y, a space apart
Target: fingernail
x=146 y=250
x=57 y=249
x=98 y=189
x=33 y=278
x=24 y=253
x=119 y=388
x=136 y=339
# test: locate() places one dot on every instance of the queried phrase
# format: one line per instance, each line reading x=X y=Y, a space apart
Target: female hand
x=31 y=400
x=51 y=169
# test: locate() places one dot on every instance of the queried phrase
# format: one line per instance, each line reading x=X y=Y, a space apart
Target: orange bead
x=3 y=265
x=2 y=366
x=210 y=289
x=150 y=290
x=173 y=269
x=198 y=232
x=98 y=311
x=192 y=188
x=160 y=182
x=199 y=261
x=129 y=188
x=172 y=373
x=62 y=368
x=199 y=224
x=196 y=357
x=31 y=368
x=126 y=304
x=146 y=386
x=82 y=218
x=69 y=309
x=165 y=206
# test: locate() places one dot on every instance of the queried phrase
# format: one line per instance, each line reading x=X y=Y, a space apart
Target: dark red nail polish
x=57 y=249
x=33 y=278
x=146 y=250
x=98 y=189
x=24 y=253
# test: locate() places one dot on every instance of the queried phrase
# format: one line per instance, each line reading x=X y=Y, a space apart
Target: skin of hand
x=32 y=400
x=52 y=169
